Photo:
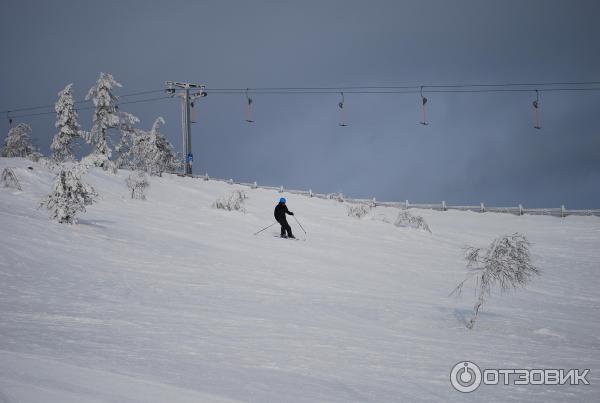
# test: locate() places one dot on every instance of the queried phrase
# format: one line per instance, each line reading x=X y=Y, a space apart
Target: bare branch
x=505 y=265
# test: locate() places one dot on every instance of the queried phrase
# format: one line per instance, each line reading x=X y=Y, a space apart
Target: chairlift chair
x=193 y=114
x=423 y=109
x=248 y=108
x=342 y=114
x=536 y=108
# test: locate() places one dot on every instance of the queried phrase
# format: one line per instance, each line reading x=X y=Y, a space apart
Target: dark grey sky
x=478 y=147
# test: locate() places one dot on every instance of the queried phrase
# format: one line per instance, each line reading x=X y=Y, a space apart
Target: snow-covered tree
x=137 y=182
x=129 y=134
x=358 y=210
x=18 y=142
x=161 y=157
x=406 y=219
x=232 y=202
x=67 y=125
x=336 y=196
x=70 y=194
x=105 y=115
x=506 y=264
x=9 y=179
x=148 y=151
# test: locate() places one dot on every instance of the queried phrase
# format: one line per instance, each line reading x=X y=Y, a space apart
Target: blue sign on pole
x=190 y=157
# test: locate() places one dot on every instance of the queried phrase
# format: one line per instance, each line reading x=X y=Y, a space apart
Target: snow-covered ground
x=170 y=300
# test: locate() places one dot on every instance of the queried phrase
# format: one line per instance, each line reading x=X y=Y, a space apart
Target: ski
x=290 y=239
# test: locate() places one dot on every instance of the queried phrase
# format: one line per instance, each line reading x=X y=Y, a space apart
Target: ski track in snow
x=170 y=300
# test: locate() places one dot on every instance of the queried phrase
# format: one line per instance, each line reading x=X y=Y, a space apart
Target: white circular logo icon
x=465 y=376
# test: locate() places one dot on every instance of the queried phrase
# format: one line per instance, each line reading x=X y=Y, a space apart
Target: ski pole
x=300 y=225
x=265 y=228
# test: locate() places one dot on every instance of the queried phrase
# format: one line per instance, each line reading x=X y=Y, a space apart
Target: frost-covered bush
x=231 y=202
x=358 y=210
x=336 y=196
x=382 y=217
x=36 y=156
x=10 y=180
x=505 y=265
x=89 y=161
x=137 y=182
x=67 y=125
x=18 y=142
x=406 y=219
x=70 y=194
x=50 y=163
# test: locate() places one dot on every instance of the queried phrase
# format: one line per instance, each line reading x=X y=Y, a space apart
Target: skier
x=280 y=211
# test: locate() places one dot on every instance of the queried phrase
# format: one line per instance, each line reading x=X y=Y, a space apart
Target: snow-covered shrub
x=358 y=210
x=36 y=156
x=137 y=182
x=69 y=194
x=18 y=142
x=50 y=163
x=336 y=196
x=382 y=217
x=67 y=125
x=231 y=202
x=406 y=219
x=105 y=116
x=10 y=180
x=91 y=160
x=505 y=265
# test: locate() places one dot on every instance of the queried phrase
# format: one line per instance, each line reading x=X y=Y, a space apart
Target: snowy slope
x=170 y=300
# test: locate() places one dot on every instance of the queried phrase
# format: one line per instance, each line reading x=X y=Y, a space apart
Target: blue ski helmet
x=282 y=200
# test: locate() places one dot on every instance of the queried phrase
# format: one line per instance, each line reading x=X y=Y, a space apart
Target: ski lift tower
x=182 y=90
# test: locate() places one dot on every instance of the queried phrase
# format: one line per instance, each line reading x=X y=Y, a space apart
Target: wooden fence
x=442 y=206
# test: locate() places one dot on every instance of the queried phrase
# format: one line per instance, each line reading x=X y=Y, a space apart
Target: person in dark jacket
x=280 y=211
